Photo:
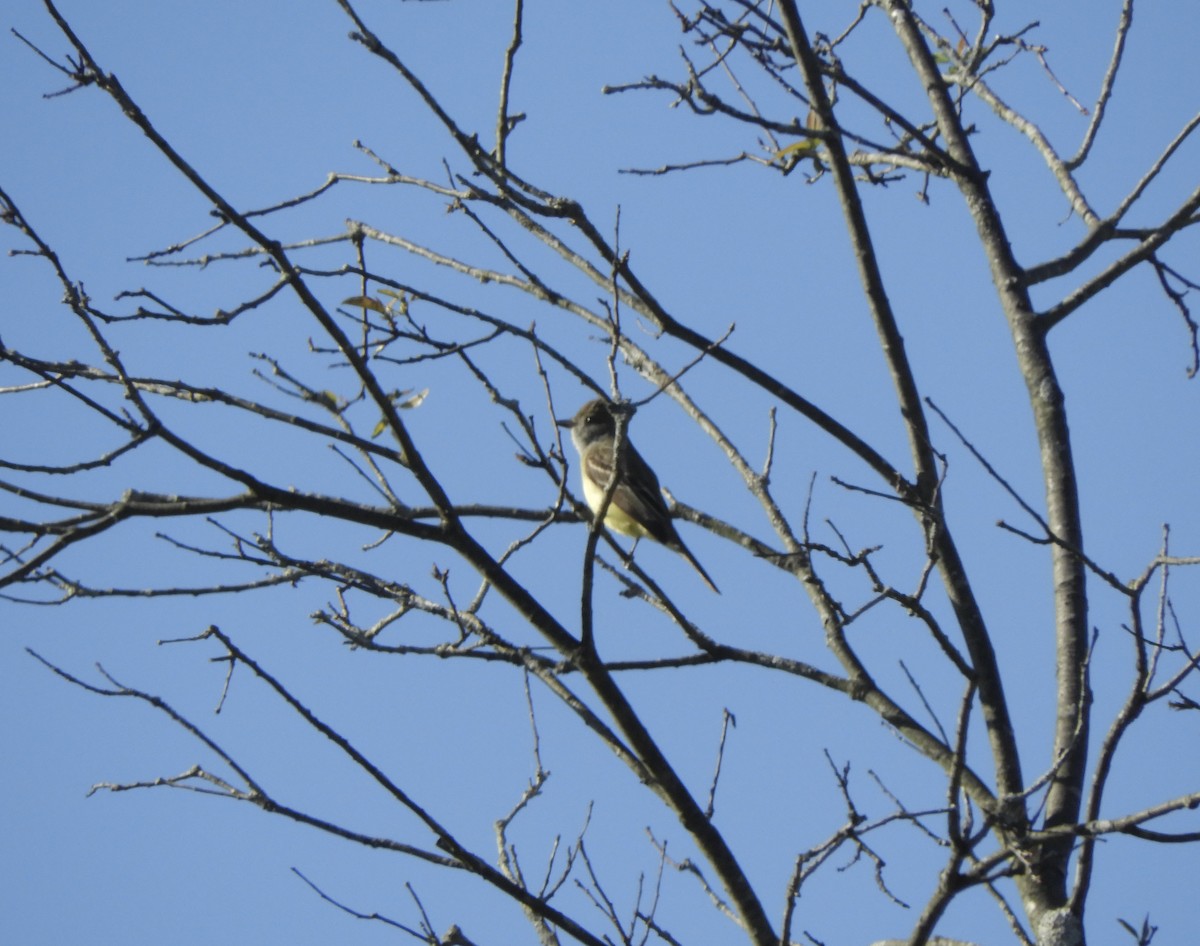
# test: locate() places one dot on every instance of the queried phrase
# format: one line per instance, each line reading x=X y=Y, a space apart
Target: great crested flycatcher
x=637 y=508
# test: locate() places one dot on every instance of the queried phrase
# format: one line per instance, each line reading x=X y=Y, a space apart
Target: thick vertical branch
x=1058 y=467
x=970 y=618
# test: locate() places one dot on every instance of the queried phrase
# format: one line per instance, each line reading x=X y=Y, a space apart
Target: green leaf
x=408 y=404
x=405 y=400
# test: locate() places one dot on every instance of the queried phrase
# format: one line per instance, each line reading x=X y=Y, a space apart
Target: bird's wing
x=640 y=497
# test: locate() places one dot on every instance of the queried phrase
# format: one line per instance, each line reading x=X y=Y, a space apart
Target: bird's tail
x=683 y=550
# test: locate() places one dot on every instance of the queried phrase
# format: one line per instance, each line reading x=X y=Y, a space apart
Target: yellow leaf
x=366 y=302
x=796 y=149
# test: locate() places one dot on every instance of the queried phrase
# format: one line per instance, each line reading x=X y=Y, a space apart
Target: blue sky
x=265 y=99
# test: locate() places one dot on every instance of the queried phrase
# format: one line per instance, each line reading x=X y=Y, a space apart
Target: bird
x=637 y=508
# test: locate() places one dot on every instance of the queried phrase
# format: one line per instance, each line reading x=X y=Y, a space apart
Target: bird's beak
x=570 y=422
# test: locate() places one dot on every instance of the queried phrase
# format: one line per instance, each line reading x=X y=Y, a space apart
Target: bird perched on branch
x=637 y=508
